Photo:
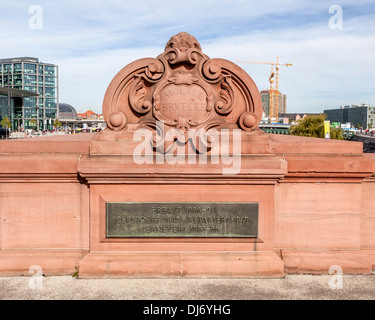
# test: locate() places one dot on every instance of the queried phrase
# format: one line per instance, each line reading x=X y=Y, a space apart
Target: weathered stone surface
x=315 y=196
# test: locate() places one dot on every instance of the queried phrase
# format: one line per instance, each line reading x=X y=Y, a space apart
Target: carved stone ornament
x=184 y=89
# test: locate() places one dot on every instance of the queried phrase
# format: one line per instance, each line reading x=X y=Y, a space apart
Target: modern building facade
x=265 y=95
x=359 y=116
x=29 y=74
x=15 y=100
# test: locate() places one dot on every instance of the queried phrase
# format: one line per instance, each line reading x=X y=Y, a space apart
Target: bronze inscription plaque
x=181 y=219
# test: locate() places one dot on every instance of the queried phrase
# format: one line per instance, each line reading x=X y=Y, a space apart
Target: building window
x=17 y=68
x=40 y=112
x=18 y=113
x=29 y=102
x=29 y=80
x=50 y=92
x=51 y=103
x=49 y=81
x=17 y=80
x=29 y=68
x=30 y=112
x=7 y=67
x=49 y=70
x=50 y=113
x=6 y=80
x=30 y=88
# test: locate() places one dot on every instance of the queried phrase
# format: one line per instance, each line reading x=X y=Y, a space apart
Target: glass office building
x=29 y=74
x=359 y=116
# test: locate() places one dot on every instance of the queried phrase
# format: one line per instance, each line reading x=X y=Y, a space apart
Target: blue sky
x=91 y=41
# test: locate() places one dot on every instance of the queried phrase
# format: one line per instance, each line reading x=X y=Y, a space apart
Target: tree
x=336 y=133
x=313 y=126
x=57 y=123
x=33 y=123
x=5 y=123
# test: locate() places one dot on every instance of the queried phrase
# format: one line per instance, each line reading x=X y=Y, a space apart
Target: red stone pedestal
x=114 y=176
x=183 y=257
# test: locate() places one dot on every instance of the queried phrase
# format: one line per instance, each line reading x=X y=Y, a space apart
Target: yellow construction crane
x=274 y=102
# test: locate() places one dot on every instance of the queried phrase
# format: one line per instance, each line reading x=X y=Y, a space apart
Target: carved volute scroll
x=184 y=89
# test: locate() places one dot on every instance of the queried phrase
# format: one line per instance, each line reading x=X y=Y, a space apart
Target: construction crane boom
x=274 y=103
x=272 y=63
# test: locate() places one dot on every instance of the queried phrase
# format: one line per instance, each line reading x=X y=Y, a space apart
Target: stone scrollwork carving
x=183 y=41
x=154 y=71
x=225 y=104
x=183 y=48
x=139 y=89
x=137 y=96
x=211 y=71
x=184 y=89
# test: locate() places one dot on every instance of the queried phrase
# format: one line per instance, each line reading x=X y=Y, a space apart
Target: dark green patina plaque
x=181 y=219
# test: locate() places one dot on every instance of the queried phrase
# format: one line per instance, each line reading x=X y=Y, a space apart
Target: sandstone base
x=321 y=261
x=316 y=209
x=181 y=265
x=50 y=262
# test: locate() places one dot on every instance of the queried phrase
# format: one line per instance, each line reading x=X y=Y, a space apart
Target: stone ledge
x=319 y=261
x=181 y=265
x=52 y=261
x=70 y=143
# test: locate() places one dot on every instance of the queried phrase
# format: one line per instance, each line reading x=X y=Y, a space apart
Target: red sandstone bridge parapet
x=314 y=196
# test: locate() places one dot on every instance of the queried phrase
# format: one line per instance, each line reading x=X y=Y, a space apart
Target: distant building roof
x=66 y=111
x=24 y=59
x=88 y=114
x=19 y=59
x=293 y=116
x=289 y=115
x=274 y=91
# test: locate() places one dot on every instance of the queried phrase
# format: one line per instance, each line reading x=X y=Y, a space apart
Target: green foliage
x=5 y=123
x=33 y=123
x=76 y=273
x=57 y=123
x=313 y=126
x=336 y=133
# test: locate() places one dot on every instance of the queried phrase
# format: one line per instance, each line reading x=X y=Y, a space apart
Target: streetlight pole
x=9 y=115
x=8 y=93
x=37 y=116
